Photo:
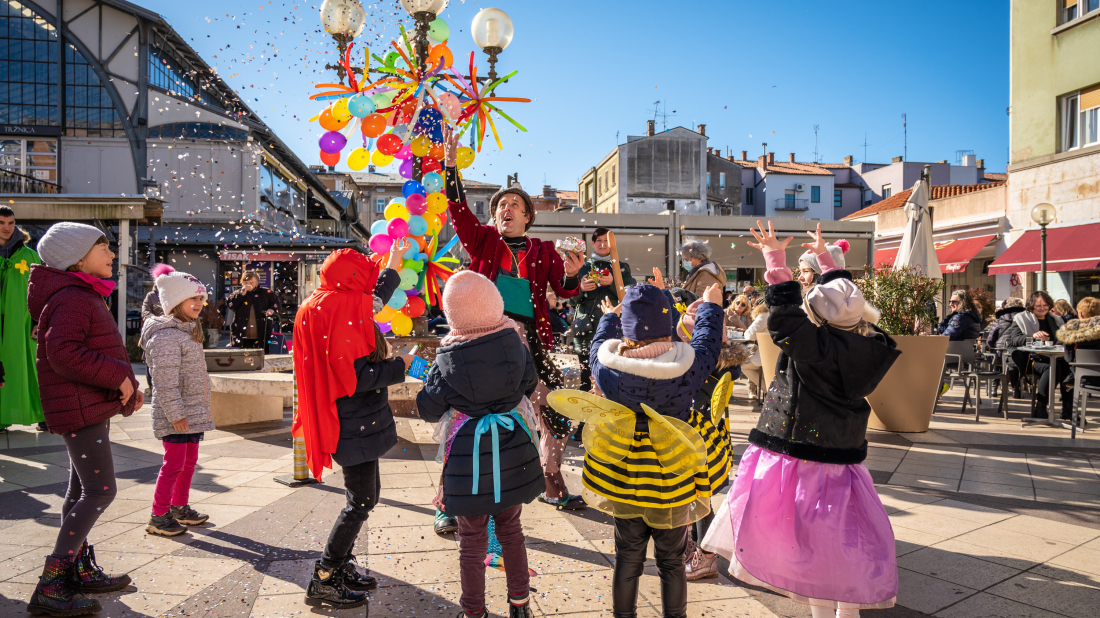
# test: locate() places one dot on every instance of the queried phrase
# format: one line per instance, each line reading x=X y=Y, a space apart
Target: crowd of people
x=801 y=518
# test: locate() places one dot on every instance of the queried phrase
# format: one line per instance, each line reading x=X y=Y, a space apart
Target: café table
x=1053 y=353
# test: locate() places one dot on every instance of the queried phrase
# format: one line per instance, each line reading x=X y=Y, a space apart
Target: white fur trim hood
x=672 y=364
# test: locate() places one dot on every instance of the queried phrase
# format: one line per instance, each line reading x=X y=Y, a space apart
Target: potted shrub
x=905 y=398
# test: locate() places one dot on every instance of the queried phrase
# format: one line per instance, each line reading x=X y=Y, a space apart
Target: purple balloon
x=383 y=326
x=397 y=228
x=332 y=142
x=406 y=169
x=412 y=292
x=381 y=243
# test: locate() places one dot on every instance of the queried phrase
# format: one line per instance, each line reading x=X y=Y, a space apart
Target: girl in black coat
x=478 y=386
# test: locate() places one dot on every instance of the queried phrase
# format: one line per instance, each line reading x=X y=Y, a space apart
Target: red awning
x=1068 y=248
x=954 y=255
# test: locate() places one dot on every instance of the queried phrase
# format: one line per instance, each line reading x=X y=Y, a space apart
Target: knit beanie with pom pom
x=473 y=307
x=836 y=250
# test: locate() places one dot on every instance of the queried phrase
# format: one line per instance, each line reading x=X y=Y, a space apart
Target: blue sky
x=751 y=71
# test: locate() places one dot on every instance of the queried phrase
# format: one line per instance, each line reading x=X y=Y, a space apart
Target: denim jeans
x=361 y=485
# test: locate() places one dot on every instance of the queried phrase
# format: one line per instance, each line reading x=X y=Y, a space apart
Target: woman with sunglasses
x=965 y=320
x=737 y=314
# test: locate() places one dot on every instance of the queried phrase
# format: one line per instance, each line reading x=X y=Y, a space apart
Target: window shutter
x=1069 y=3
x=1090 y=97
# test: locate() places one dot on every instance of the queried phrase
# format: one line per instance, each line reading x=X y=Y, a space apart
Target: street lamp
x=492 y=32
x=151 y=189
x=1044 y=214
x=344 y=20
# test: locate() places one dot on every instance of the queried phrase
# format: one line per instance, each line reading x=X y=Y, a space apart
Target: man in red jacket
x=503 y=249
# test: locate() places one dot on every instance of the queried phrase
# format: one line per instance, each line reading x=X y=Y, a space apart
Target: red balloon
x=414 y=307
x=430 y=165
x=389 y=144
x=330 y=158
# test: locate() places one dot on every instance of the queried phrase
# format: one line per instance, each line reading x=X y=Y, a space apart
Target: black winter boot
x=327 y=586
x=58 y=593
x=92 y=578
x=523 y=610
x=353 y=579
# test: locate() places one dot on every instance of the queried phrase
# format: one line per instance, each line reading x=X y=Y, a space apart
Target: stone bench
x=248 y=396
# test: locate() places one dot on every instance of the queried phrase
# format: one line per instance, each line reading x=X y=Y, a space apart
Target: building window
x=749 y=194
x=89 y=110
x=837 y=201
x=887 y=190
x=815 y=195
x=708 y=180
x=1093 y=5
x=28 y=67
x=1069 y=13
x=868 y=197
x=479 y=208
x=614 y=173
x=380 y=205
x=721 y=180
x=198 y=130
x=32 y=158
x=167 y=71
x=788 y=199
x=1081 y=118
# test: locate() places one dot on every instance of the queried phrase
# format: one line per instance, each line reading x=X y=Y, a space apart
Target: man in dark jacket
x=597 y=283
x=253 y=309
x=998 y=337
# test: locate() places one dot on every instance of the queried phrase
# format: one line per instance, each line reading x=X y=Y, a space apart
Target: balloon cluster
x=419 y=216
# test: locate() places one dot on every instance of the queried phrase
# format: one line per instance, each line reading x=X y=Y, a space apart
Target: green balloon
x=414 y=265
x=439 y=30
x=390 y=59
x=408 y=279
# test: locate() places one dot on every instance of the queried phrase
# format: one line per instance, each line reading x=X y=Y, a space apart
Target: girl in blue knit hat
x=645 y=465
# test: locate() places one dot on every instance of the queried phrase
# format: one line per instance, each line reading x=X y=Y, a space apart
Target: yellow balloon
x=401 y=324
x=421 y=146
x=386 y=314
x=396 y=210
x=340 y=111
x=381 y=159
x=465 y=157
x=434 y=224
x=437 y=203
x=358 y=159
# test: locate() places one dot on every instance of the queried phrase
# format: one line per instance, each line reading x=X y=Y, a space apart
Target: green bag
x=516 y=293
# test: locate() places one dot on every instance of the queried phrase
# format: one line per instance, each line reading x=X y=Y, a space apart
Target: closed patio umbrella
x=917 y=247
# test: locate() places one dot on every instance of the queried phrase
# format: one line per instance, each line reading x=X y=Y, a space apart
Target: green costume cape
x=20 y=403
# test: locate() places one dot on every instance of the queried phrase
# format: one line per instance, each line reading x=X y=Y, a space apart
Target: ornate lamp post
x=1044 y=214
x=492 y=32
x=344 y=20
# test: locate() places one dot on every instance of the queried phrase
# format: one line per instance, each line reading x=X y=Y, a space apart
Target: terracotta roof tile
x=939 y=192
x=995 y=177
x=786 y=167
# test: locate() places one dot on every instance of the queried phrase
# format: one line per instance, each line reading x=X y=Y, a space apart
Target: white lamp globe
x=492 y=28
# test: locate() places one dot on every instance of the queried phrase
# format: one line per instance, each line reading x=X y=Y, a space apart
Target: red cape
x=333 y=328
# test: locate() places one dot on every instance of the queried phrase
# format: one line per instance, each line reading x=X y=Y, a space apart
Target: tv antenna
x=816 y=158
x=660 y=110
x=905 y=130
x=864 y=147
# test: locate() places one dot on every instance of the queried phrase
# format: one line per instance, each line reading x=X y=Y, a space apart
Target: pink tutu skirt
x=814 y=532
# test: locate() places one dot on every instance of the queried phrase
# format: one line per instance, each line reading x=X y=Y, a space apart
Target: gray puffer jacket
x=178 y=368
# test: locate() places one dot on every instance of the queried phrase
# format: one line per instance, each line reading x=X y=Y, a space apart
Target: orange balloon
x=440 y=51
x=420 y=241
x=436 y=152
x=329 y=123
x=373 y=125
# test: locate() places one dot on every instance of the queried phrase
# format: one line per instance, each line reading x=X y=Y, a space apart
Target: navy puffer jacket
x=962 y=325
x=483 y=376
x=666 y=383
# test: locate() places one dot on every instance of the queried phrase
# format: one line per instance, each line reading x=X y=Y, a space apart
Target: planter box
x=904 y=400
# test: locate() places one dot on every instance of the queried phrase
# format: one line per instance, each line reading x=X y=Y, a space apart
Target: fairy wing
x=609 y=427
x=720 y=400
x=679 y=448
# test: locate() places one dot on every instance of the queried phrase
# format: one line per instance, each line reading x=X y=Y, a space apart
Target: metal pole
x=1043 y=267
x=420 y=43
x=300 y=472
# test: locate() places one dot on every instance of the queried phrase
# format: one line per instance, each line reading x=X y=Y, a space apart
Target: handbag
x=516 y=293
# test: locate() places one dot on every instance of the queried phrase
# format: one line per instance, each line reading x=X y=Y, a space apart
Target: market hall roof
x=234 y=238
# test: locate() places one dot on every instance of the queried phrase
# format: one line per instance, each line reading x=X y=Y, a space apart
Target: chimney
x=981 y=164
x=848 y=160
x=942 y=161
x=744 y=155
x=968 y=160
x=703 y=130
x=896 y=160
x=547 y=191
x=792 y=157
x=762 y=162
x=370 y=168
x=771 y=158
x=710 y=150
x=651 y=127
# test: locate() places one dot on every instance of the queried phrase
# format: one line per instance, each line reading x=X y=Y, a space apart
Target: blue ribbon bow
x=486 y=424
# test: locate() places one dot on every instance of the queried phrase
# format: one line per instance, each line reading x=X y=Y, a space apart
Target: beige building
x=1055 y=144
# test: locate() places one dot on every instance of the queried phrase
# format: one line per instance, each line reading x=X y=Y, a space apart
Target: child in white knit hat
x=181 y=398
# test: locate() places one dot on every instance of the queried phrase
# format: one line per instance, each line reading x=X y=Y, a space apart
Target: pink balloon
x=332 y=141
x=417 y=203
x=450 y=105
x=381 y=243
x=406 y=169
x=397 y=228
x=405 y=153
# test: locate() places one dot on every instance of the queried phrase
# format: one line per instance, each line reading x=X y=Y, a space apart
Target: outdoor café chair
x=1087 y=366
